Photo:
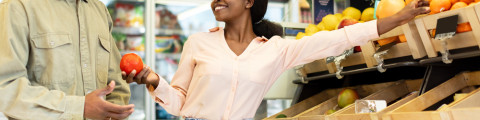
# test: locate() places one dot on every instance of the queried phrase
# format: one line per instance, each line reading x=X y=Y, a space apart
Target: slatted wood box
x=413 y=47
x=404 y=91
x=460 y=40
x=414 y=109
x=394 y=89
x=316 y=66
x=317 y=111
x=307 y=103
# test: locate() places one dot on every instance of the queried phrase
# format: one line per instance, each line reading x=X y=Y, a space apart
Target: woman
x=224 y=74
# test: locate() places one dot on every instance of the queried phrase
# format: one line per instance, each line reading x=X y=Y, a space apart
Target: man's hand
x=146 y=76
x=97 y=108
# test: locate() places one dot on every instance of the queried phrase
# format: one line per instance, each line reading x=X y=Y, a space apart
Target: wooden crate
x=467 y=108
x=414 y=108
x=307 y=103
x=326 y=99
x=403 y=89
x=460 y=40
x=316 y=112
x=413 y=47
x=316 y=66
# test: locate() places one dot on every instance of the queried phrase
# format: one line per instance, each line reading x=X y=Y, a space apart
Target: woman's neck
x=240 y=29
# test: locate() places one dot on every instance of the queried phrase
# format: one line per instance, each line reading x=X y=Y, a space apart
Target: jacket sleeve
x=19 y=99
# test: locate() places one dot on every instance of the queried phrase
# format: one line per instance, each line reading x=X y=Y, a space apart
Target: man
x=56 y=59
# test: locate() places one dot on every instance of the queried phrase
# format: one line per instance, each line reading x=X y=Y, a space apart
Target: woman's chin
x=220 y=19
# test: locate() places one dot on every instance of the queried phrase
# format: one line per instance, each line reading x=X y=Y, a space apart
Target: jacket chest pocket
x=103 y=60
x=53 y=60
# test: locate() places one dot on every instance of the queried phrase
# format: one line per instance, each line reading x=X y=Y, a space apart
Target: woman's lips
x=220 y=7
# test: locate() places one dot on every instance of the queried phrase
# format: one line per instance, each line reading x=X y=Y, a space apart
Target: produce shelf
x=356 y=71
x=420 y=107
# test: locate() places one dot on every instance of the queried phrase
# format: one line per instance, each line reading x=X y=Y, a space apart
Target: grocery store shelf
x=175 y=56
x=130 y=30
x=453 y=56
x=141 y=31
x=357 y=71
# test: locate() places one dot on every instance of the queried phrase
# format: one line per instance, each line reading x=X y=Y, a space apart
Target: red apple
x=346 y=22
x=357 y=49
x=130 y=62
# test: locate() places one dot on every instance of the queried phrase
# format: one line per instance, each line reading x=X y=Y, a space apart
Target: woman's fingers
x=138 y=78
x=145 y=76
x=131 y=76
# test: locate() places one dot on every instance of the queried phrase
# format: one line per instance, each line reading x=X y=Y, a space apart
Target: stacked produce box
x=415 y=40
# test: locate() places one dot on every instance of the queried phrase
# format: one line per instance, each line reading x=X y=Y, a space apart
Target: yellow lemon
x=311 y=28
x=321 y=26
x=352 y=12
x=339 y=16
x=330 y=22
x=300 y=35
x=367 y=14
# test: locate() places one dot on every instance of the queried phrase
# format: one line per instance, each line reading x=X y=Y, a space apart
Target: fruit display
x=346 y=97
x=330 y=22
x=333 y=21
x=130 y=62
x=387 y=8
x=331 y=111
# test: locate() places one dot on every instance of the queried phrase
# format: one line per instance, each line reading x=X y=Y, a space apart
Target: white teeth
x=219 y=8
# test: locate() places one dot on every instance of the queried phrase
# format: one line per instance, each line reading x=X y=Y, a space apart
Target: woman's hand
x=408 y=13
x=146 y=76
x=414 y=8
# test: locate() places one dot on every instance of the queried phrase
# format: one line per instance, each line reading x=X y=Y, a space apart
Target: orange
x=387 y=40
x=437 y=6
x=453 y=1
x=402 y=38
x=472 y=4
x=389 y=7
x=467 y=1
x=464 y=27
x=458 y=5
x=407 y=1
x=432 y=32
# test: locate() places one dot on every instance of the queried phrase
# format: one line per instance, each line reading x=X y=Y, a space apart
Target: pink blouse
x=213 y=83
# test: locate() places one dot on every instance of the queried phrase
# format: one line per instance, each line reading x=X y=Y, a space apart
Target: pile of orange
x=437 y=6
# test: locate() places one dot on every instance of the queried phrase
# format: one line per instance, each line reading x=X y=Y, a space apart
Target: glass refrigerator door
x=129 y=32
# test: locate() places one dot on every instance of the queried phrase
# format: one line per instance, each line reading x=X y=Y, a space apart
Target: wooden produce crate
x=352 y=60
x=467 y=108
x=307 y=103
x=461 y=40
x=406 y=89
x=317 y=111
x=414 y=109
x=413 y=47
x=316 y=66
